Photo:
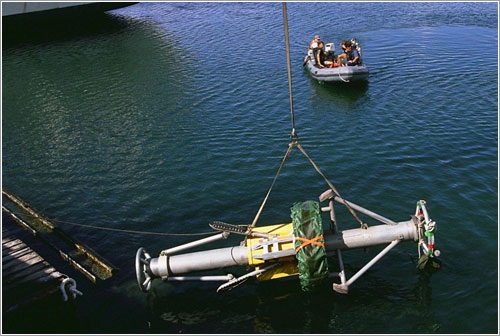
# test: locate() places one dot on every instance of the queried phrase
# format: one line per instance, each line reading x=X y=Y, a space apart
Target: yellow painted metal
x=289 y=263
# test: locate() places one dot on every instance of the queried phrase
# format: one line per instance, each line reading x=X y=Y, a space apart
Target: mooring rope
x=117 y=230
x=345 y=80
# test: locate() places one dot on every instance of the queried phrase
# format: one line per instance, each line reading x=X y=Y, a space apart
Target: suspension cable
x=287 y=45
x=287 y=154
x=295 y=142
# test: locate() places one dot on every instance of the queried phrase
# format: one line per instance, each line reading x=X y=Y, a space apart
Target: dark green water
x=166 y=116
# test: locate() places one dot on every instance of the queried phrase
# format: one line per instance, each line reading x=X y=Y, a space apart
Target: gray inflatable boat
x=338 y=74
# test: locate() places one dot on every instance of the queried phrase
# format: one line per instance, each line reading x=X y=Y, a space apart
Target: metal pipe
x=173 y=250
x=343 y=288
x=168 y=265
x=374 y=235
x=372 y=262
x=203 y=278
x=341 y=266
x=329 y=195
x=333 y=221
x=333 y=218
x=235 y=281
x=424 y=210
x=367 y=212
x=165 y=265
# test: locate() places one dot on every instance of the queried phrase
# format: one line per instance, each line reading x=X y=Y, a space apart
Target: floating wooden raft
x=26 y=276
x=74 y=252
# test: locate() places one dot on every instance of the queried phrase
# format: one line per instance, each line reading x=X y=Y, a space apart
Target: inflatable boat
x=338 y=73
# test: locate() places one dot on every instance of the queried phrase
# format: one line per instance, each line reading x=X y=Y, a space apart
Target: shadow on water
x=343 y=92
x=344 y=96
x=51 y=28
x=258 y=307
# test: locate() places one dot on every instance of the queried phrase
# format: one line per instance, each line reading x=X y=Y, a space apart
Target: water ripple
x=178 y=114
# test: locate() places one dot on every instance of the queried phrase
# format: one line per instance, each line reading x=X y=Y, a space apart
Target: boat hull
x=339 y=74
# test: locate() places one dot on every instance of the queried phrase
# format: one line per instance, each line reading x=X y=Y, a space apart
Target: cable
x=287 y=45
x=121 y=230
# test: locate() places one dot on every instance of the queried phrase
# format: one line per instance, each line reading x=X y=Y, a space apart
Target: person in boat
x=315 y=40
x=315 y=51
x=350 y=57
x=319 y=55
x=342 y=45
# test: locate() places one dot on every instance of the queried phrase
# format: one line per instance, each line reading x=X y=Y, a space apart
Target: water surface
x=166 y=116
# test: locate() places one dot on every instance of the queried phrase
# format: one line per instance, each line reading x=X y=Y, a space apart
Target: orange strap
x=309 y=241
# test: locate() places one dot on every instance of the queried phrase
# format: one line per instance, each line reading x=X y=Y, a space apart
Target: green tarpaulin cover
x=426 y=263
x=312 y=262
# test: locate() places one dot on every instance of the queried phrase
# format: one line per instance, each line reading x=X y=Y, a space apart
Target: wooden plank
x=73 y=242
x=26 y=276
x=21 y=262
x=14 y=255
x=19 y=259
x=22 y=265
x=13 y=249
x=25 y=225
x=29 y=285
x=6 y=239
x=41 y=276
x=12 y=244
x=44 y=275
x=19 y=275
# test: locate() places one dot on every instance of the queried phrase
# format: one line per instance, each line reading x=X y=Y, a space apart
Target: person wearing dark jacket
x=350 y=57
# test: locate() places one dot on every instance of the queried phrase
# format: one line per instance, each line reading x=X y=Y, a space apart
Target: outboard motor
x=330 y=51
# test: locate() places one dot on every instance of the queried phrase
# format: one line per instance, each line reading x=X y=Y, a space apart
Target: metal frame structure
x=172 y=266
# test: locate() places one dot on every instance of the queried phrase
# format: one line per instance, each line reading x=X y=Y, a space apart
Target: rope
x=344 y=80
x=299 y=146
x=287 y=45
x=120 y=230
x=312 y=241
x=289 y=150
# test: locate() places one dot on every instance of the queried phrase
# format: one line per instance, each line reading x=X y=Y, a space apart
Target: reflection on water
x=253 y=310
x=344 y=96
x=339 y=92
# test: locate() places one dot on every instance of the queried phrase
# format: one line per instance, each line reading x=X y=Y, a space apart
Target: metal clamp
x=72 y=288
